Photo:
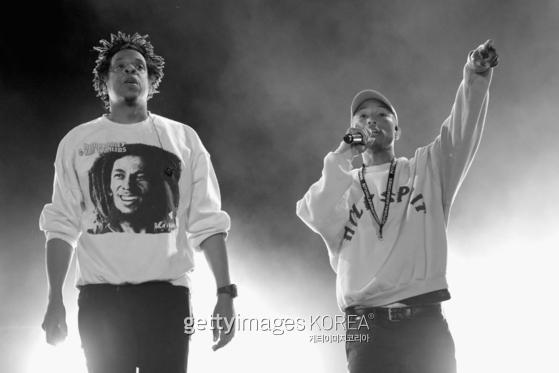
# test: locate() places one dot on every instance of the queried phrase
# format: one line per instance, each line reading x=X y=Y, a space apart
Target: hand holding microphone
x=355 y=140
x=357 y=136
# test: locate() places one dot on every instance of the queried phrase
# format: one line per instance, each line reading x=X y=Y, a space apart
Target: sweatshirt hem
x=397 y=294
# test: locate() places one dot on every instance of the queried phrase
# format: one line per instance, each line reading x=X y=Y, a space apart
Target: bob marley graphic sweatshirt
x=134 y=200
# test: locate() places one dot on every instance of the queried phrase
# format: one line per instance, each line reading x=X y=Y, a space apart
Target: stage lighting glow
x=66 y=357
x=501 y=320
x=252 y=350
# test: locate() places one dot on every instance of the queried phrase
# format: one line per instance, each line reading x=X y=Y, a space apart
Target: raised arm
x=454 y=149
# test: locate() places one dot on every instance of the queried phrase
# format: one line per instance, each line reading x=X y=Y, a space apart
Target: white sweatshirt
x=155 y=173
x=411 y=259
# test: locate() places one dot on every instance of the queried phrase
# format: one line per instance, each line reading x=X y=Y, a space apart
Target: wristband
x=228 y=289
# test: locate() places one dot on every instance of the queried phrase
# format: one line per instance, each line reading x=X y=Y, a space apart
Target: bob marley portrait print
x=135 y=190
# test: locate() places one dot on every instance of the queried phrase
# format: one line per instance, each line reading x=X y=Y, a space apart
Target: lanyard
x=388 y=196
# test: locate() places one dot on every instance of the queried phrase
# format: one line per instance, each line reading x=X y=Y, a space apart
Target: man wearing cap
x=384 y=225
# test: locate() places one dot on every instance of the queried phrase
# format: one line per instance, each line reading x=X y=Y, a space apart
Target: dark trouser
x=127 y=326
x=421 y=344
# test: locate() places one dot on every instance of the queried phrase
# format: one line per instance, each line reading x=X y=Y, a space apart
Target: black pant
x=419 y=345
x=127 y=326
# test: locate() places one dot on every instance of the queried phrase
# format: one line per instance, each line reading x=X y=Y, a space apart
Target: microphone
x=355 y=138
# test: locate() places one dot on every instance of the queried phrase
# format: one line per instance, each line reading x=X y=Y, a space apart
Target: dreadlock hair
x=107 y=49
x=163 y=197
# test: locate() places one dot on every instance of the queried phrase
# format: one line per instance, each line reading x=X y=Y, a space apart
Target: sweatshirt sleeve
x=204 y=216
x=325 y=206
x=453 y=150
x=62 y=217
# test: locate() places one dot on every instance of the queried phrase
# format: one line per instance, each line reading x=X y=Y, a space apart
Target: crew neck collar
x=105 y=118
x=380 y=167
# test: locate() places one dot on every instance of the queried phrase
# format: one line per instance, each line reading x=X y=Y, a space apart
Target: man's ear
x=397 y=132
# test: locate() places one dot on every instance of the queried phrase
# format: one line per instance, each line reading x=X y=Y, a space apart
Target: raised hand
x=484 y=57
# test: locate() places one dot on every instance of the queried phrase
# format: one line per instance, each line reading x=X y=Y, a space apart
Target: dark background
x=267 y=85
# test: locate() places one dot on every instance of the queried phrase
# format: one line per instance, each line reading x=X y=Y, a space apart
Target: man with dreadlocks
x=134 y=194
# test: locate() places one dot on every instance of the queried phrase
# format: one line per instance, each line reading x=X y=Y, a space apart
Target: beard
x=380 y=144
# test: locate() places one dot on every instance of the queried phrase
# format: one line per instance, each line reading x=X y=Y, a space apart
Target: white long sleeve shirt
x=411 y=259
x=104 y=170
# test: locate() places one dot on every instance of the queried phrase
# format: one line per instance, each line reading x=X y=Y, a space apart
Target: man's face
x=378 y=120
x=129 y=185
x=128 y=78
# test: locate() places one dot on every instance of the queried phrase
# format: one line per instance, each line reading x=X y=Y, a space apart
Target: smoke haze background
x=267 y=86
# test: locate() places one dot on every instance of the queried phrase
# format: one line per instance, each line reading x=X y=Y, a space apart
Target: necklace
x=388 y=195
